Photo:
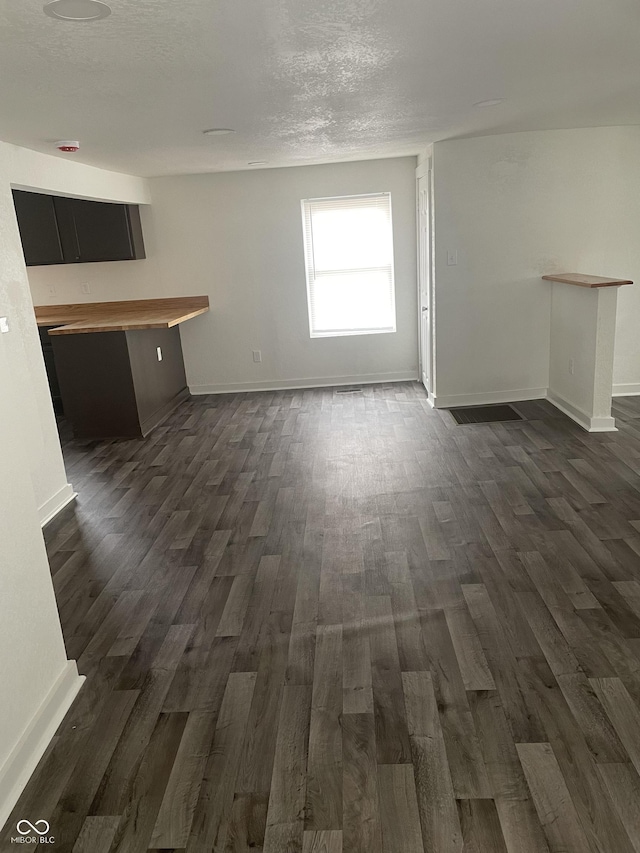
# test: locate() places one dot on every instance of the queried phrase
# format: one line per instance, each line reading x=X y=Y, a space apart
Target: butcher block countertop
x=80 y=319
x=586 y=280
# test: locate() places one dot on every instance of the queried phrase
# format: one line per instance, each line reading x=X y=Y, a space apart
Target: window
x=348 y=245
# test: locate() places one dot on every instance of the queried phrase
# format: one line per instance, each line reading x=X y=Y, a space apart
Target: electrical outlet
x=85 y=287
x=52 y=290
x=159 y=353
x=452 y=257
x=257 y=356
x=572 y=366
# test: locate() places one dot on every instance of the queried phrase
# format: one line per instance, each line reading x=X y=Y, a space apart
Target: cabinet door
x=101 y=231
x=38 y=226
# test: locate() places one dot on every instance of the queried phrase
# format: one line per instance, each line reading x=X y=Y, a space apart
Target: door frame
x=425 y=170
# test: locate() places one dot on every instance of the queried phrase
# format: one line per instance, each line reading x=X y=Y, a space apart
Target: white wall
x=574 y=317
x=622 y=228
x=583 y=322
x=515 y=207
x=238 y=237
x=33 y=654
x=29 y=169
x=38 y=683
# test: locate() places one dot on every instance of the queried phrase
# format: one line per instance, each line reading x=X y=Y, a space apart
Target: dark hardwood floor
x=324 y=623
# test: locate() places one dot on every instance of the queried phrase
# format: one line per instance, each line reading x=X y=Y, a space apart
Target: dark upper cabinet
x=38 y=225
x=99 y=231
x=86 y=231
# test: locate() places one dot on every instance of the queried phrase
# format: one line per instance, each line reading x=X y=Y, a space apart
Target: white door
x=424 y=277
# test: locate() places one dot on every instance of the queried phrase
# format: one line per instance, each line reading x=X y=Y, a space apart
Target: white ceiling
x=309 y=81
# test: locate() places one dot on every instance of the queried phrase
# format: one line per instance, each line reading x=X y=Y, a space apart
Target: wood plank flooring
x=324 y=623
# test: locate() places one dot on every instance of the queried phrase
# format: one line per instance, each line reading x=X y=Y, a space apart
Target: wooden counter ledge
x=125 y=316
x=586 y=280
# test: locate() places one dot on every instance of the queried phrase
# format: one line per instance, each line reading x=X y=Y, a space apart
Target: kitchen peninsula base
x=113 y=384
x=118 y=365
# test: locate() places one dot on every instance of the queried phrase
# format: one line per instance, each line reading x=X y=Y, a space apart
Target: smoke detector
x=69 y=146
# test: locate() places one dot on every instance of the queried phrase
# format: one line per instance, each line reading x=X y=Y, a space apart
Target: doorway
x=425 y=277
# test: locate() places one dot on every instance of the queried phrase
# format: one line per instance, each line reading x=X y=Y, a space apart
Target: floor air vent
x=349 y=391
x=484 y=414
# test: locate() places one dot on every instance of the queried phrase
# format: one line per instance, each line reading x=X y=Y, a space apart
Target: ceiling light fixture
x=493 y=102
x=218 y=131
x=257 y=163
x=77 y=10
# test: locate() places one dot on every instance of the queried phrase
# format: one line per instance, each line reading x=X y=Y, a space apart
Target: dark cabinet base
x=112 y=383
x=50 y=367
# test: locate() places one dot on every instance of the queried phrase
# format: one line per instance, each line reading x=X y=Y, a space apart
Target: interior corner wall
x=623 y=227
x=20 y=167
x=237 y=236
x=515 y=207
x=38 y=683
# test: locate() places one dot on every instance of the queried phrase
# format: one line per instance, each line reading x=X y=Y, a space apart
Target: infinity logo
x=32 y=827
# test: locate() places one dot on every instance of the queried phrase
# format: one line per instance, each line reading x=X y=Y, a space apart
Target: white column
x=583 y=324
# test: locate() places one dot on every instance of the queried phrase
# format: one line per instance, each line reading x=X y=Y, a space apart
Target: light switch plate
x=159 y=353
x=452 y=257
x=4 y=325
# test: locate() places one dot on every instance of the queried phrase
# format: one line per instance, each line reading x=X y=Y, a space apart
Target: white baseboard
x=626 y=390
x=491 y=397
x=580 y=417
x=439 y=401
x=487 y=398
x=24 y=757
x=292 y=384
x=56 y=504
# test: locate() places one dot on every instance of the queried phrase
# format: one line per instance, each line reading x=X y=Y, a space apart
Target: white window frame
x=306 y=206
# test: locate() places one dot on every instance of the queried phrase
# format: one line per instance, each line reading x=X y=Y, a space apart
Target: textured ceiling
x=309 y=81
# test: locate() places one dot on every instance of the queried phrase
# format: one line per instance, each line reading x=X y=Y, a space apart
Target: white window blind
x=348 y=244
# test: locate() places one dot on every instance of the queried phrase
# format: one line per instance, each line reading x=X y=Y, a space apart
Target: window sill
x=351 y=334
